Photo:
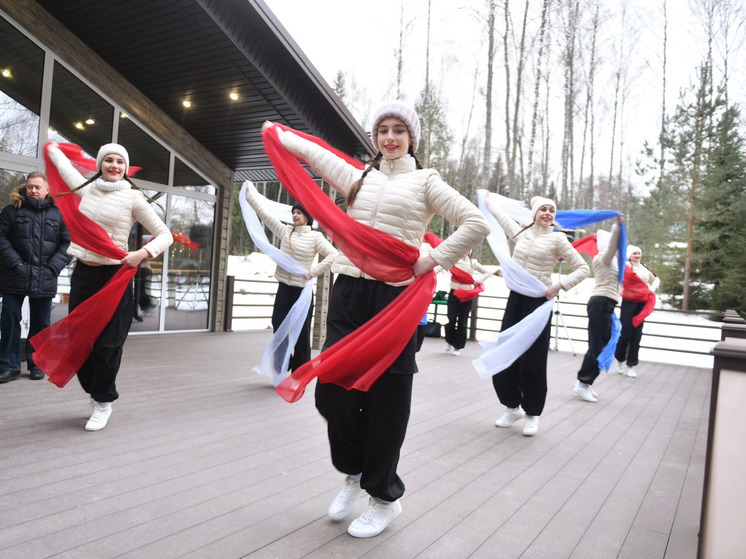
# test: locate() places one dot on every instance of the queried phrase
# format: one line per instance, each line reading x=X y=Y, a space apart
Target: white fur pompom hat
x=403 y=112
x=106 y=149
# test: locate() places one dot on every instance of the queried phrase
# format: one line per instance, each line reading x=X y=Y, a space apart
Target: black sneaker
x=35 y=373
x=7 y=376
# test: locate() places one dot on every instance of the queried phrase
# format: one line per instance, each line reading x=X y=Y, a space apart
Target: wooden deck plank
x=202 y=459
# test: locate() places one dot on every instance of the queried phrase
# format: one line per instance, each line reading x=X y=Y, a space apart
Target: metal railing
x=249 y=303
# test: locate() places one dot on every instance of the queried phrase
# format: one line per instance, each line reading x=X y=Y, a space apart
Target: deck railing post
x=228 y=316
x=723 y=496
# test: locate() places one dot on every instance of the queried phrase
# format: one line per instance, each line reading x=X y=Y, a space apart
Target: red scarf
x=637 y=291
x=357 y=360
x=457 y=274
x=62 y=348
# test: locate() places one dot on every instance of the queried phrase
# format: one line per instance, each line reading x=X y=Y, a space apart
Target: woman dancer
x=522 y=387
x=604 y=298
x=394 y=194
x=463 y=278
x=638 y=299
x=111 y=200
x=302 y=244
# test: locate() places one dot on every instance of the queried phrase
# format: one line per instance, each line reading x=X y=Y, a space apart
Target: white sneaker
x=99 y=417
x=531 y=426
x=343 y=504
x=449 y=348
x=376 y=517
x=584 y=391
x=456 y=352
x=631 y=372
x=510 y=416
x=620 y=368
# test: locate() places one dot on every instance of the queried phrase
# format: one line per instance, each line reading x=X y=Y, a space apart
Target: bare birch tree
x=537 y=87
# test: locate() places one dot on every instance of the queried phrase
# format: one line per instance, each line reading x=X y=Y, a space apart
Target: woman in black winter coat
x=33 y=252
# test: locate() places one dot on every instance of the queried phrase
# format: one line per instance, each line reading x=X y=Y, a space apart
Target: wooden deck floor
x=201 y=459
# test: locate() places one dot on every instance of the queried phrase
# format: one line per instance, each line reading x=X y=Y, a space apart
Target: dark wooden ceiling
x=202 y=50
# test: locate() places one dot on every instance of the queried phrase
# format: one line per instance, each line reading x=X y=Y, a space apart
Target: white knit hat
x=631 y=249
x=539 y=201
x=403 y=112
x=106 y=149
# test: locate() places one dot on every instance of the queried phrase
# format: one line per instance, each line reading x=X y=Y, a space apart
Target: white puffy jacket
x=399 y=200
x=606 y=270
x=301 y=243
x=115 y=206
x=538 y=248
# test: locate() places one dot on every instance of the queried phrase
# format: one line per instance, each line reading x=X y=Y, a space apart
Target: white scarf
x=500 y=353
x=277 y=355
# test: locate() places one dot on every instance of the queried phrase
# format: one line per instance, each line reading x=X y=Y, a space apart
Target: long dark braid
x=532 y=224
x=352 y=194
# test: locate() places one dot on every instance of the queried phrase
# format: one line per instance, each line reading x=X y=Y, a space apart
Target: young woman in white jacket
x=458 y=311
x=628 y=346
x=111 y=200
x=522 y=387
x=394 y=194
x=604 y=298
x=303 y=244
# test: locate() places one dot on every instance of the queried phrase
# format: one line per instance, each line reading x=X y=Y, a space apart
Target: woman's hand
x=552 y=292
x=134 y=258
x=267 y=124
x=308 y=275
x=423 y=265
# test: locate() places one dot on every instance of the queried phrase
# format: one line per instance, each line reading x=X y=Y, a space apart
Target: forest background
x=626 y=105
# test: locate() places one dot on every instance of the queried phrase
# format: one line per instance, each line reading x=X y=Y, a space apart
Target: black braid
x=352 y=194
x=86 y=183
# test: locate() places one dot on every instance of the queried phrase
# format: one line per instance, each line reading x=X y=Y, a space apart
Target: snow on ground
x=662 y=329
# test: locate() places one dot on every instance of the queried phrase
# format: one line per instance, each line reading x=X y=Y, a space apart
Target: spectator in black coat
x=33 y=252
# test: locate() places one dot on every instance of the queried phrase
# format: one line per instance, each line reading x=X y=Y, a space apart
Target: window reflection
x=144 y=152
x=148 y=284
x=21 y=70
x=191 y=221
x=187 y=179
x=78 y=114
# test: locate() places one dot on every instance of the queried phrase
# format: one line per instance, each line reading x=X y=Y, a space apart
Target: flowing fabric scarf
x=635 y=290
x=606 y=357
x=587 y=245
x=277 y=354
x=458 y=275
x=63 y=347
x=357 y=360
x=498 y=355
x=573 y=219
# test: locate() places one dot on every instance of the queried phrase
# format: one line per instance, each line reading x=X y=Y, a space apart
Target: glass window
x=21 y=70
x=192 y=223
x=144 y=152
x=78 y=114
x=149 y=288
x=8 y=181
x=185 y=178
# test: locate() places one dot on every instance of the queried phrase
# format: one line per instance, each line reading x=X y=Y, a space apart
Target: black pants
x=524 y=383
x=628 y=346
x=366 y=429
x=458 y=321
x=600 y=310
x=98 y=374
x=286 y=297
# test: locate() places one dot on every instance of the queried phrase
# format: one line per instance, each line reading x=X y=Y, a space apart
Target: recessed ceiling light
x=233 y=95
x=122 y=115
x=90 y=121
x=187 y=103
x=6 y=73
x=79 y=125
